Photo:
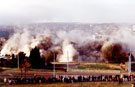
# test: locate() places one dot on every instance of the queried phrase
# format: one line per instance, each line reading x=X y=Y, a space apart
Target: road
x=10 y=74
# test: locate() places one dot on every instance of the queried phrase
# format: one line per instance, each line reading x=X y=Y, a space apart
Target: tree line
x=34 y=61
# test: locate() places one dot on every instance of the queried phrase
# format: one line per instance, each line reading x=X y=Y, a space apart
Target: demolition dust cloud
x=89 y=43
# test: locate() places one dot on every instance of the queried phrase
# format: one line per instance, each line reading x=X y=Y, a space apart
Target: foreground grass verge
x=83 y=84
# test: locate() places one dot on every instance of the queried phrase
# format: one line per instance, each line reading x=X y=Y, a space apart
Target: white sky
x=85 y=11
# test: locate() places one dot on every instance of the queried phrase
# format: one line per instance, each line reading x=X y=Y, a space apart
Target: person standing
x=5 y=80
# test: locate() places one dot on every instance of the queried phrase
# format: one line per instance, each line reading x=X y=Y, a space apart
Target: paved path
x=10 y=74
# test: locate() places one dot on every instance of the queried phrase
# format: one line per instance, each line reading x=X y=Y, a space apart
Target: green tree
x=34 y=58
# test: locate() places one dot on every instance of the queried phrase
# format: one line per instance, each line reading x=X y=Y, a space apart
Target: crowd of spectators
x=68 y=79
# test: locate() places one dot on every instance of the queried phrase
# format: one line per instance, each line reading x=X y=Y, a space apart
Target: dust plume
x=74 y=42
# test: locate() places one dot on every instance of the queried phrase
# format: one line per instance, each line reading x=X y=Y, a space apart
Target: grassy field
x=99 y=66
x=84 y=84
x=81 y=66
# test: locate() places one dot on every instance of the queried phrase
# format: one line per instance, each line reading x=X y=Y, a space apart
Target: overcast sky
x=85 y=11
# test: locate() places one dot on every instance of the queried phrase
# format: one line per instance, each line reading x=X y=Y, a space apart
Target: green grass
x=98 y=66
x=93 y=66
x=1 y=83
x=81 y=67
x=6 y=68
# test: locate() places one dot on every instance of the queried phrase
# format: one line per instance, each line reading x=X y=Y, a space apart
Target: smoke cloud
x=73 y=42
